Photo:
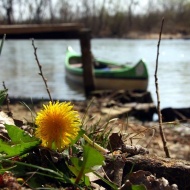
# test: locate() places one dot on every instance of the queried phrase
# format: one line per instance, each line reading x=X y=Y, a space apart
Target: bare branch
x=40 y=68
x=158 y=97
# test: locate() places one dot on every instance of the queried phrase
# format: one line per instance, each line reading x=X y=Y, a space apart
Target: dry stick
x=10 y=114
x=40 y=68
x=158 y=98
x=119 y=164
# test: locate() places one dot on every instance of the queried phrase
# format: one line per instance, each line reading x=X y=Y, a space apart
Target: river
x=19 y=70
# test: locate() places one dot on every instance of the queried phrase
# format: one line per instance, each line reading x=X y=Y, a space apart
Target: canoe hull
x=110 y=83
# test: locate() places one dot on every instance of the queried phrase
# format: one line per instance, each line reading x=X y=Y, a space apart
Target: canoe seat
x=77 y=65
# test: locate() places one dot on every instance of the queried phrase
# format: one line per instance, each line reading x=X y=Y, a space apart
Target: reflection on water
x=20 y=71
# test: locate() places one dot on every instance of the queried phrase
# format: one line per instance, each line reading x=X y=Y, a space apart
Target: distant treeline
x=106 y=18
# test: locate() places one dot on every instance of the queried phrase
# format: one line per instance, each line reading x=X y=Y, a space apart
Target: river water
x=19 y=70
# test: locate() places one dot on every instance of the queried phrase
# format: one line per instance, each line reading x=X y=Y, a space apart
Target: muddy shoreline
x=126 y=118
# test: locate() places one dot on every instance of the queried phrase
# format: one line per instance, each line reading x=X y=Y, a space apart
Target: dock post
x=88 y=76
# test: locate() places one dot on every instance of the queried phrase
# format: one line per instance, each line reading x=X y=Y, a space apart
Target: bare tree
x=51 y=10
x=8 y=6
x=102 y=15
x=38 y=8
x=131 y=7
x=65 y=11
x=86 y=12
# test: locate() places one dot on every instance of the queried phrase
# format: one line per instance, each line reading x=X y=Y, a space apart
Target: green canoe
x=108 y=75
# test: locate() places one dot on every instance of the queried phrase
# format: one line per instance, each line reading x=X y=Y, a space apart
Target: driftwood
x=124 y=96
x=172 y=114
x=132 y=165
x=175 y=171
x=125 y=103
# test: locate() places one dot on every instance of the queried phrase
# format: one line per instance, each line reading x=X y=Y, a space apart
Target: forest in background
x=105 y=18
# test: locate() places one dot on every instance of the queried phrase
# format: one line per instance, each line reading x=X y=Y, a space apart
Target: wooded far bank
x=105 y=18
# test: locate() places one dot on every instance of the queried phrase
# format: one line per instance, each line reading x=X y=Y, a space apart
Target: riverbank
x=123 y=119
x=139 y=35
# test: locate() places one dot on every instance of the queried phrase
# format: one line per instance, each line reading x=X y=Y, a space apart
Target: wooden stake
x=88 y=76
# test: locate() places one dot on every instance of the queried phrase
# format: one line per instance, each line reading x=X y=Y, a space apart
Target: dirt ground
x=133 y=131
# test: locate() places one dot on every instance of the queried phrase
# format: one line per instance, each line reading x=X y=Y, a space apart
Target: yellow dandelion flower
x=57 y=125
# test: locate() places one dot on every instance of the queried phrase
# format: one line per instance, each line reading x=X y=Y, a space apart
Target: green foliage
x=80 y=167
x=112 y=185
x=3 y=170
x=80 y=134
x=41 y=173
x=3 y=94
x=99 y=132
x=91 y=158
x=21 y=142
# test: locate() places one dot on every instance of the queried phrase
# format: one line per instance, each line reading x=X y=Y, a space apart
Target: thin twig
x=10 y=114
x=158 y=97
x=40 y=68
x=2 y=42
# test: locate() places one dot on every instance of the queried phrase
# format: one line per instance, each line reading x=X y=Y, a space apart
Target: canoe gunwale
x=116 y=78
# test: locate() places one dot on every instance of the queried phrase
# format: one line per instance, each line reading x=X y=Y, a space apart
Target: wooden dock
x=42 y=31
x=58 y=31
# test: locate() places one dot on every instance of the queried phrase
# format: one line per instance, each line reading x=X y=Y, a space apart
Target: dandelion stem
x=95 y=145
